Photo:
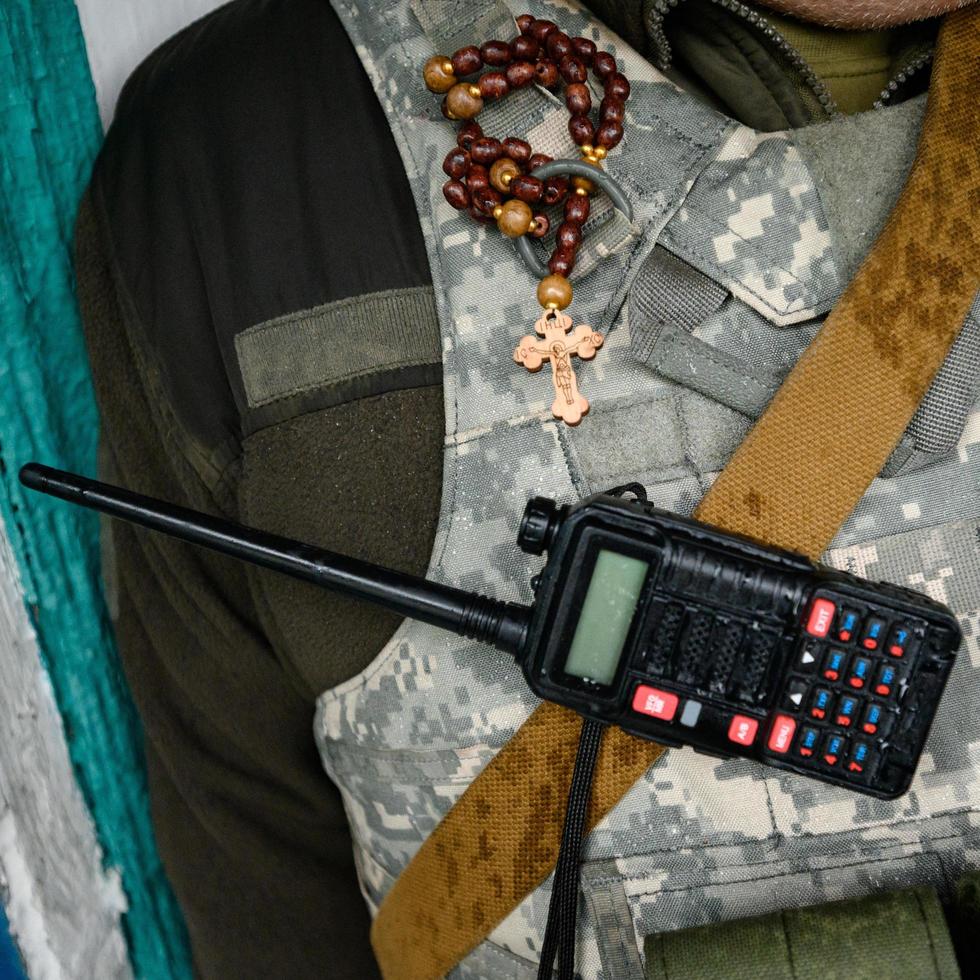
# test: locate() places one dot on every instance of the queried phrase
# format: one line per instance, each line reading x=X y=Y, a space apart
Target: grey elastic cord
x=577 y=168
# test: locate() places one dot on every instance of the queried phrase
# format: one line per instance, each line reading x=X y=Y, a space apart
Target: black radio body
x=671 y=629
x=680 y=633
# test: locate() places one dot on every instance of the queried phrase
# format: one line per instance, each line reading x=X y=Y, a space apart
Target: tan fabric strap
x=792 y=483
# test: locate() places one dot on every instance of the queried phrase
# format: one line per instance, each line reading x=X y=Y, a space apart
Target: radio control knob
x=538 y=525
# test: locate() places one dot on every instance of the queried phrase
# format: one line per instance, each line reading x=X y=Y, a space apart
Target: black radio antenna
x=504 y=624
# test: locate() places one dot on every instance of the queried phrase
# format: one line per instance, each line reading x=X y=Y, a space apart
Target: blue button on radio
x=833 y=666
x=821 y=703
x=846 y=710
x=872 y=719
x=832 y=749
x=848 y=626
x=808 y=741
x=860 y=757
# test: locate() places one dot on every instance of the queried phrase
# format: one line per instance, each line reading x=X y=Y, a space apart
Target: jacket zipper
x=914 y=65
x=796 y=60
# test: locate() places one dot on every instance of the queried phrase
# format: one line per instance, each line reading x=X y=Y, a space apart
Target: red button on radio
x=742 y=730
x=781 y=735
x=656 y=704
x=821 y=616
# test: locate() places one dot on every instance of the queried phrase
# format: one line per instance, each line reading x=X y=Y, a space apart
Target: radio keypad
x=840 y=710
x=846 y=680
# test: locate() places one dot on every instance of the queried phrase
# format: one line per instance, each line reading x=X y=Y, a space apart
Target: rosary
x=495 y=179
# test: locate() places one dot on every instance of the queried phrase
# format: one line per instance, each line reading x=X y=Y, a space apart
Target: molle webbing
x=792 y=483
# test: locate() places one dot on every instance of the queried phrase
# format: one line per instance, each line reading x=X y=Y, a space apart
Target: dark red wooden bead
x=558 y=45
x=604 y=64
x=519 y=73
x=612 y=110
x=572 y=69
x=569 y=235
x=495 y=53
x=456 y=194
x=539 y=225
x=518 y=150
x=540 y=29
x=475 y=212
x=562 y=262
x=527 y=188
x=485 y=199
x=457 y=162
x=524 y=22
x=468 y=132
x=536 y=160
x=577 y=209
x=581 y=130
x=466 y=61
x=477 y=177
x=578 y=99
x=584 y=49
x=524 y=48
x=546 y=73
x=555 y=189
x=485 y=150
x=609 y=134
x=493 y=85
x=617 y=86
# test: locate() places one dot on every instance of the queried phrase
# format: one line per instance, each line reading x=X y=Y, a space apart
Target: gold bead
x=514 y=219
x=502 y=172
x=462 y=103
x=587 y=149
x=438 y=74
x=554 y=292
x=498 y=211
x=581 y=191
x=583 y=185
x=600 y=152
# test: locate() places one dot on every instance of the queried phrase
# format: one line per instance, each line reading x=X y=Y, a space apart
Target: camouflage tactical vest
x=741 y=243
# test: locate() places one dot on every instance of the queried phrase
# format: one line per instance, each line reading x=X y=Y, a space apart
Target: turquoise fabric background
x=49 y=135
x=10 y=968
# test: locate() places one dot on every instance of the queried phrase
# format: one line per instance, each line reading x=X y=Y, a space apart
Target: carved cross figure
x=553 y=326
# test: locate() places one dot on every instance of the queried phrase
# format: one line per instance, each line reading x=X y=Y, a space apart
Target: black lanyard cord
x=559 y=934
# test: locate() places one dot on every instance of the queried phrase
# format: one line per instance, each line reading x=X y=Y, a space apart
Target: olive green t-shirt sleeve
x=252 y=835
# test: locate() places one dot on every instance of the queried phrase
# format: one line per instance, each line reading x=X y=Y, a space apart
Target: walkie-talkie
x=671 y=629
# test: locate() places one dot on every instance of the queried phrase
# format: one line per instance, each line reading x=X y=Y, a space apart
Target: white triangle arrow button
x=807 y=657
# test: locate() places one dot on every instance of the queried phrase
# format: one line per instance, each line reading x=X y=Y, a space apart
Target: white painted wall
x=64 y=909
x=119 y=34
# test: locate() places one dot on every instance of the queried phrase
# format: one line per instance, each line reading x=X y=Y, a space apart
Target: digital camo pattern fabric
x=697 y=839
x=754 y=222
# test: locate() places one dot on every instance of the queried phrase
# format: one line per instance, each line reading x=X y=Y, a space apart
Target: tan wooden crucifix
x=569 y=405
